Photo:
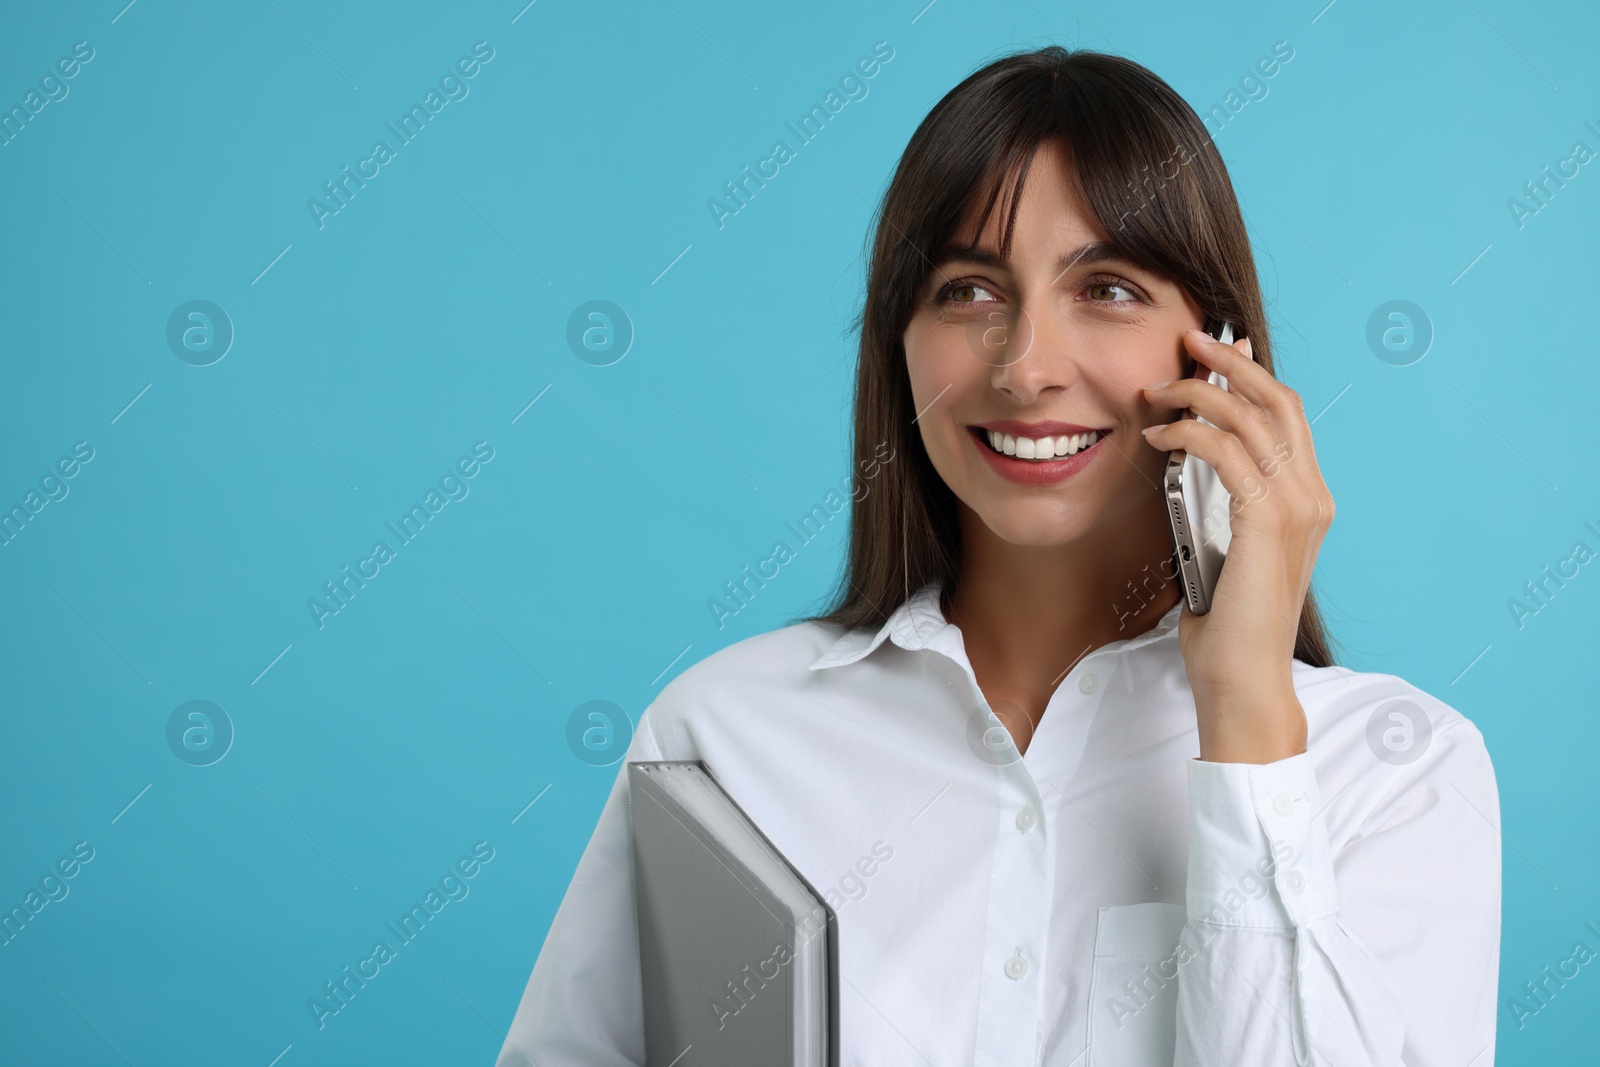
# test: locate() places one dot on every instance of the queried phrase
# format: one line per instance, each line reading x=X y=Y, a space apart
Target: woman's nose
x=1037 y=352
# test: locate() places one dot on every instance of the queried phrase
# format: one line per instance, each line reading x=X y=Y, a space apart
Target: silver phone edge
x=1185 y=551
x=1196 y=590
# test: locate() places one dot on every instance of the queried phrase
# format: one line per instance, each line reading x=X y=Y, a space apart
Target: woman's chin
x=1039 y=525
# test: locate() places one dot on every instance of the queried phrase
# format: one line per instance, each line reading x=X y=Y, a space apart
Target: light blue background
x=430 y=311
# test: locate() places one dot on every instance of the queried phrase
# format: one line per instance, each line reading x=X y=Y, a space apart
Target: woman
x=1062 y=819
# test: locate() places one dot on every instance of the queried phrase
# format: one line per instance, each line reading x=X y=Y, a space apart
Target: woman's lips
x=1034 y=471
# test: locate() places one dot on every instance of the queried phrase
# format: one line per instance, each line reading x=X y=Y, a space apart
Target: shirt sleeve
x=1383 y=954
x=584 y=1003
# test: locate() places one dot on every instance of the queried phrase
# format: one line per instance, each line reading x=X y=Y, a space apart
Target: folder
x=738 y=953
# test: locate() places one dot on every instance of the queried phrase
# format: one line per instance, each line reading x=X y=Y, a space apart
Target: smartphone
x=1199 y=509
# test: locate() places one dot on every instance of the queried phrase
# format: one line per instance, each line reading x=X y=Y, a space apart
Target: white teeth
x=1043 y=447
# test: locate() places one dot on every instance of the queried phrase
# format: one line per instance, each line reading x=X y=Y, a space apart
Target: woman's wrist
x=1261 y=726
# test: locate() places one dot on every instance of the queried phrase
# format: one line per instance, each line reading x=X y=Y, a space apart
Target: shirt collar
x=916 y=623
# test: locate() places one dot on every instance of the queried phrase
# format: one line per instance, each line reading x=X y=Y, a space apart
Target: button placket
x=1017 y=920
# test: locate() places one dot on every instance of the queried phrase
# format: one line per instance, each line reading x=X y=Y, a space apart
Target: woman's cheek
x=939 y=358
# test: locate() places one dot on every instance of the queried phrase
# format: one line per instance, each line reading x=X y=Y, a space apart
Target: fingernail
x=1159 y=385
x=1153 y=429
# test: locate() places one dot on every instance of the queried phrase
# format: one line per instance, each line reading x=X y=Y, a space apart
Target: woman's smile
x=1040 y=453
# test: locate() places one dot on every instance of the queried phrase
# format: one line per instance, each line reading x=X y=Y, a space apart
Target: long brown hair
x=1146 y=167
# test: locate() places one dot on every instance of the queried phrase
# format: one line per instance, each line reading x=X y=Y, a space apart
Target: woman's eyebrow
x=1090 y=253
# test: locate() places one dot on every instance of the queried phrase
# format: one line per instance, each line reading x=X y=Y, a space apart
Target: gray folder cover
x=738 y=953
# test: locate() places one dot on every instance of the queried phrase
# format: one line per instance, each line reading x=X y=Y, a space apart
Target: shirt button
x=1016 y=966
x=1283 y=805
x=1025 y=819
x=1088 y=682
x=1297 y=882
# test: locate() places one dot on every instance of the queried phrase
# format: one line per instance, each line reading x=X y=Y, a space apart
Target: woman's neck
x=1029 y=613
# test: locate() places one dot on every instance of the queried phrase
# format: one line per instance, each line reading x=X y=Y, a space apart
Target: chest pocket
x=1133 y=994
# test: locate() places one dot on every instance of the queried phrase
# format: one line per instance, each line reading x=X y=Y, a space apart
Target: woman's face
x=1049 y=344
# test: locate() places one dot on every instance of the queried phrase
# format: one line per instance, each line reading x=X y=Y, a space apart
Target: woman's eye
x=1107 y=285
x=965 y=293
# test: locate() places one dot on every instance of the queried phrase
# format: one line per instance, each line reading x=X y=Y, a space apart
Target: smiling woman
x=1117 y=829
x=1025 y=227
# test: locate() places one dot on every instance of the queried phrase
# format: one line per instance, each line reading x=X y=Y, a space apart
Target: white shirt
x=1106 y=899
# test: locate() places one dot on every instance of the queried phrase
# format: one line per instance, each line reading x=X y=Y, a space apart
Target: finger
x=1286 y=408
x=1224 y=451
x=1254 y=382
x=1299 y=507
x=1271 y=454
x=1231 y=412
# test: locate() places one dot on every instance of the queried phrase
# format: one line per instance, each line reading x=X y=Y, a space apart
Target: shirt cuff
x=1258 y=849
